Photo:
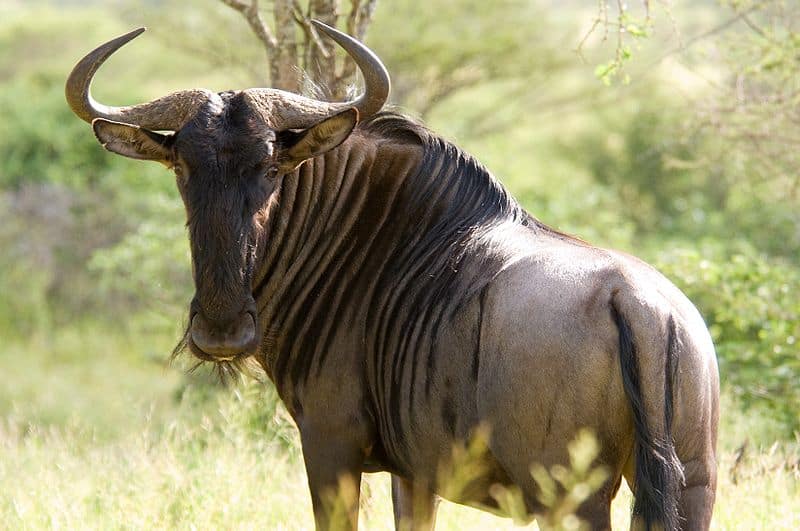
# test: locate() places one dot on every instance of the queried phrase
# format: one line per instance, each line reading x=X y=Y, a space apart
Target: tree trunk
x=283 y=60
x=321 y=64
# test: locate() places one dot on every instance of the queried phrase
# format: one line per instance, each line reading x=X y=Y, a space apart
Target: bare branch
x=352 y=18
x=238 y=5
x=753 y=26
x=253 y=17
x=601 y=18
x=703 y=36
x=321 y=63
x=620 y=33
x=308 y=28
x=358 y=20
x=360 y=16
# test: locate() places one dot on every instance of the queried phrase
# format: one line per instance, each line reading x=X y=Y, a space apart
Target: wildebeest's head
x=229 y=152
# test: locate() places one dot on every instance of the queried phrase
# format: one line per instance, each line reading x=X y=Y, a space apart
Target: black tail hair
x=659 y=473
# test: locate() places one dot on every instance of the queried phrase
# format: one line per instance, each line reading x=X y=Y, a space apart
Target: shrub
x=750 y=303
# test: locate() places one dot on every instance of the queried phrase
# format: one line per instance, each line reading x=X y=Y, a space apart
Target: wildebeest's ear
x=316 y=140
x=131 y=140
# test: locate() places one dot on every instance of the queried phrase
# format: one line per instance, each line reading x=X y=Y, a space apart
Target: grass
x=105 y=382
x=150 y=449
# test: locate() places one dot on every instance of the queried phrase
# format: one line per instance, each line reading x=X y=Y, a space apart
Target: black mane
x=474 y=186
x=444 y=253
x=451 y=203
x=497 y=203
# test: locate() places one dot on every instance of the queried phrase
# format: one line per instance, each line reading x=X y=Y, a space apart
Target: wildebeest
x=404 y=303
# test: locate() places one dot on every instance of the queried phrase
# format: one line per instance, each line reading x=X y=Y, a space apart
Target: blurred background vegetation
x=675 y=140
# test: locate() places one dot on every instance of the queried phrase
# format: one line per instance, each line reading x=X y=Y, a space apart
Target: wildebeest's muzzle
x=223 y=340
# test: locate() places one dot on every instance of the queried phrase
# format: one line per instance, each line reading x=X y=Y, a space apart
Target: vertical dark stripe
x=476 y=355
x=433 y=351
x=670 y=364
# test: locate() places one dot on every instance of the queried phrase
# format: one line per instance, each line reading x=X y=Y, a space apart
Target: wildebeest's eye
x=266 y=170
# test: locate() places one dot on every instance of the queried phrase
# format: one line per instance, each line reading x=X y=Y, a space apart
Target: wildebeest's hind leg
x=698 y=456
x=696 y=501
x=414 y=505
x=692 y=370
x=696 y=506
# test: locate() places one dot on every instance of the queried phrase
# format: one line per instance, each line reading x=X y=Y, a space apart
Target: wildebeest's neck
x=369 y=238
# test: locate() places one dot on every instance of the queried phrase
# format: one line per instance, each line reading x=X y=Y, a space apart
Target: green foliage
x=636 y=155
x=753 y=106
x=38 y=129
x=749 y=302
x=23 y=288
x=622 y=28
x=66 y=199
x=149 y=266
x=445 y=48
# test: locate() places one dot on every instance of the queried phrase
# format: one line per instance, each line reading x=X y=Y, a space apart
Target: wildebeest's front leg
x=334 y=479
x=414 y=505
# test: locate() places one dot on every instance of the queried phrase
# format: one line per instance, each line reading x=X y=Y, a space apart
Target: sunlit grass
x=97 y=433
x=107 y=382
x=232 y=462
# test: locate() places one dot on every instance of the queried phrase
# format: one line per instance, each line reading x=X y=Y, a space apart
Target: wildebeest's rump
x=405 y=305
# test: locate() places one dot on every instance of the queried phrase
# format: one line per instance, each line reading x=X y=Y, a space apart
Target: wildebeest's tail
x=659 y=473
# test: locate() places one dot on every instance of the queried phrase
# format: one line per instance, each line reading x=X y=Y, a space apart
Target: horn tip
x=131 y=35
x=127 y=37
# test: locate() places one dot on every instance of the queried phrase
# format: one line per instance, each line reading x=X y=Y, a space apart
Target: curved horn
x=376 y=79
x=167 y=113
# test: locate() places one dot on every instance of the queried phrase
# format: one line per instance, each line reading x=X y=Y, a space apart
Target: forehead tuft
x=232 y=133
